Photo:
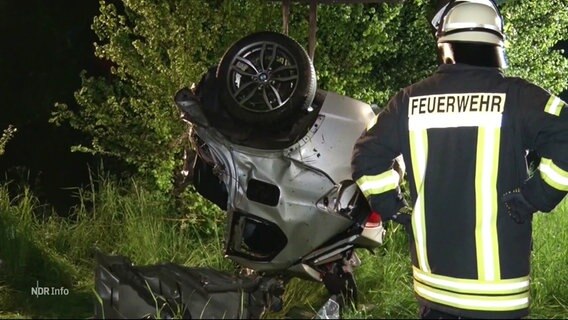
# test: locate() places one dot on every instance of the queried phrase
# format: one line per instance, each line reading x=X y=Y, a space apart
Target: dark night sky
x=45 y=45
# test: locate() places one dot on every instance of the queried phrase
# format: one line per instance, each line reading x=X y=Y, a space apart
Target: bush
x=365 y=51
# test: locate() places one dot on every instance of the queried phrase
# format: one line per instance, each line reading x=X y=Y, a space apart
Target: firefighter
x=464 y=133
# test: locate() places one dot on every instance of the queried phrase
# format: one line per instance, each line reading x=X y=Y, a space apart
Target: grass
x=130 y=220
x=59 y=252
x=549 y=273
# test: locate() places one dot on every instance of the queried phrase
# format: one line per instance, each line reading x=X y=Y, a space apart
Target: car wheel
x=266 y=78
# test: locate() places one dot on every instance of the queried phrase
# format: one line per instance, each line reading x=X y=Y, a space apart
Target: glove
x=401 y=212
x=402 y=215
x=402 y=218
x=518 y=207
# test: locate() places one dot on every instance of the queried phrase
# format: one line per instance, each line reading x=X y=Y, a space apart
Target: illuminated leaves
x=367 y=52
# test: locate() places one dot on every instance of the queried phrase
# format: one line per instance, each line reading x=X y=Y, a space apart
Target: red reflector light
x=374 y=218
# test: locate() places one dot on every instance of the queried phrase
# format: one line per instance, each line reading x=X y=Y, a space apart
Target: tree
x=534 y=28
x=365 y=51
x=155 y=47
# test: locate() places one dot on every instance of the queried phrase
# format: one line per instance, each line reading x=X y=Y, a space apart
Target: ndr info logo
x=48 y=291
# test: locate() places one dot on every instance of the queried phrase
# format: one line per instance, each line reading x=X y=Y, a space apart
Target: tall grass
x=130 y=220
x=59 y=251
x=550 y=257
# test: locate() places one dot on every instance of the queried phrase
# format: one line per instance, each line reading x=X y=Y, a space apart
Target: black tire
x=266 y=78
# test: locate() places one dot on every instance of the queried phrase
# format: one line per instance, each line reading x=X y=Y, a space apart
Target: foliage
x=364 y=51
x=370 y=52
x=156 y=48
x=533 y=29
x=6 y=136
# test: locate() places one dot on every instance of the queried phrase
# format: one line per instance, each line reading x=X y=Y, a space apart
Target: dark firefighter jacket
x=464 y=134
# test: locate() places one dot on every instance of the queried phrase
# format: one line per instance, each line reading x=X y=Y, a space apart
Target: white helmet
x=475 y=22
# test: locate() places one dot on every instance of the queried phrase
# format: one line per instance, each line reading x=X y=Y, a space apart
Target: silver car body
x=307 y=175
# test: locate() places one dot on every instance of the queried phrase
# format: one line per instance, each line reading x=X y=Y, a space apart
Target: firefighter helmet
x=471 y=32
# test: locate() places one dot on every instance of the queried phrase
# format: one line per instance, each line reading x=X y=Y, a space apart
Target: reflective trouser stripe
x=554 y=105
x=377 y=184
x=487 y=162
x=553 y=175
x=473 y=302
x=419 y=156
x=472 y=286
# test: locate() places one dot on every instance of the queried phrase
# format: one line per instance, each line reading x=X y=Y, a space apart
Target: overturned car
x=274 y=152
